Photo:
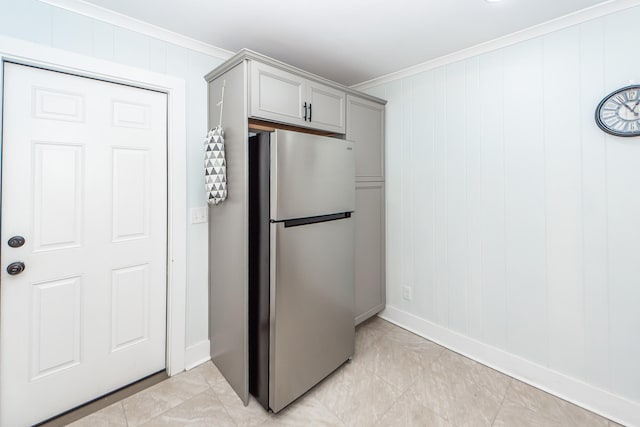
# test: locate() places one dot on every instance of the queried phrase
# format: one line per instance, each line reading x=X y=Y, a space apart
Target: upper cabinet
x=365 y=126
x=277 y=95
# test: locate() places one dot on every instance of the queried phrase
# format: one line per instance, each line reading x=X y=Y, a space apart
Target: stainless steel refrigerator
x=301 y=262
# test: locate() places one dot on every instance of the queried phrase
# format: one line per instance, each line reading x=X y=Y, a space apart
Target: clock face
x=619 y=112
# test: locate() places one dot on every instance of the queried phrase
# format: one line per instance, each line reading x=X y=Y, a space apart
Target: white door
x=84 y=174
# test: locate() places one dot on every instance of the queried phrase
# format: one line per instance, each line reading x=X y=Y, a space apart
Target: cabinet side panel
x=228 y=247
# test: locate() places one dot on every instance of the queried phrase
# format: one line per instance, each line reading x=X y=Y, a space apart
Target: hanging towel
x=215 y=161
x=215 y=165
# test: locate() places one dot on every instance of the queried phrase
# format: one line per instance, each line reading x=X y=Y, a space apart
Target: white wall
x=513 y=217
x=48 y=25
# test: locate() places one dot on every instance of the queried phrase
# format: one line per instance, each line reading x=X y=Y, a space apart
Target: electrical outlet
x=198 y=215
x=407 y=293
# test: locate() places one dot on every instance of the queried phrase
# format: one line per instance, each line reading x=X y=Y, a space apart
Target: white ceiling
x=349 y=41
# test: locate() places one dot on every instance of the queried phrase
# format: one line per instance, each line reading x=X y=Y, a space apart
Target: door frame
x=27 y=53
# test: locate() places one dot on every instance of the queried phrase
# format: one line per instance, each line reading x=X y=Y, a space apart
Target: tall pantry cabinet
x=365 y=126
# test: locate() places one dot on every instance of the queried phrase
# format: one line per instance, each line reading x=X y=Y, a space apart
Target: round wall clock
x=619 y=112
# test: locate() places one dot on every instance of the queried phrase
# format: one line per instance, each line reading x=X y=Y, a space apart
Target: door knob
x=16 y=241
x=15 y=268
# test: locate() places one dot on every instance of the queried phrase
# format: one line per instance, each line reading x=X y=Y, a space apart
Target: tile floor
x=395 y=379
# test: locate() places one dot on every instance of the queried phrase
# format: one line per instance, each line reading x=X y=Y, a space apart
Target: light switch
x=198 y=215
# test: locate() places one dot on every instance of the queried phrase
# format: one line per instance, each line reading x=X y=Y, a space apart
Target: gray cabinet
x=276 y=95
x=281 y=96
x=365 y=126
x=370 y=254
x=326 y=107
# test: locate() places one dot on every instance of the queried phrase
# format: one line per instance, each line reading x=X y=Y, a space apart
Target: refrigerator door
x=311 y=305
x=310 y=175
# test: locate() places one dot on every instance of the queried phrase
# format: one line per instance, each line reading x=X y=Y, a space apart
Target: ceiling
x=348 y=41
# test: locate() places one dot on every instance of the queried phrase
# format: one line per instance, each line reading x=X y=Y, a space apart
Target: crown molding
x=597 y=11
x=250 y=55
x=129 y=23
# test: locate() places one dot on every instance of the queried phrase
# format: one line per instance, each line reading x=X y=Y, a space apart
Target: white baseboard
x=196 y=354
x=597 y=400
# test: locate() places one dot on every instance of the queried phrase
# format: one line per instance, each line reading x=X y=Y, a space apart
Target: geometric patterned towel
x=215 y=166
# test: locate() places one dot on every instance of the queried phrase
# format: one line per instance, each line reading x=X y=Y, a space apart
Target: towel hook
x=221 y=103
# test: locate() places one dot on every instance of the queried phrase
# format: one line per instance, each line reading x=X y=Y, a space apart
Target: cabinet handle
x=305 y=111
x=309 y=111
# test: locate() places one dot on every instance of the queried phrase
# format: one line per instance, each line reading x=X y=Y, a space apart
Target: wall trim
x=556 y=24
x=597 y=400
x=28 y=53
x=133 y=24
x=197 y=354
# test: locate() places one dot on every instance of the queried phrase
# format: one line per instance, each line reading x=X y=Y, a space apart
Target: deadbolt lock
x=16 y=241
x=15 y=268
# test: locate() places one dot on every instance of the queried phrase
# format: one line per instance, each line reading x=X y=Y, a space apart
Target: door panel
x=56 y=320
x=131 y=193
x=129 y=306
x=128 y=115
x=57 y=193
x=58 y=105
x=84 y=182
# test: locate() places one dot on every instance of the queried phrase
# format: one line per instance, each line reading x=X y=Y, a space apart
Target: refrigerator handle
x=314 y=219
x=273 y=274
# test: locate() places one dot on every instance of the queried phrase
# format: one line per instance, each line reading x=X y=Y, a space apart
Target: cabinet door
x=365 y=126
x=276 y=95
x=326 y=110
x=370 y=250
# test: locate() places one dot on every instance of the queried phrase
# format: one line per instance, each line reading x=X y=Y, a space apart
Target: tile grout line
x=395 y=402
x=382 y=333
x=408 y=389
x=203 y=378
x=331 y=411
x=126 y=419
x=224 y=407
x=502 y=402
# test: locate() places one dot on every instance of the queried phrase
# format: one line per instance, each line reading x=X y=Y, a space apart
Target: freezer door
x=311 y=305
x=310 y=175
